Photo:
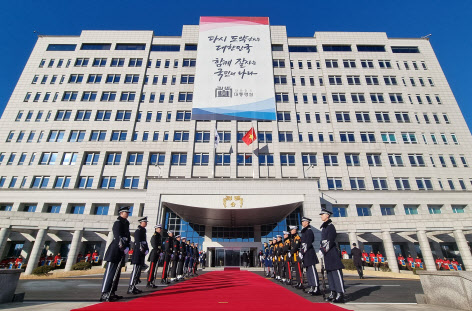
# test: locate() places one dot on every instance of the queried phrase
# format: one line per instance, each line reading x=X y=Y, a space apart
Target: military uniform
x=167 y=257
x=268 y=259
x=280 y=258
x=195 y=259
x=309 y=258
x=294 y=251
x=141 y=249
x=156 y=243
x=114 y=256
x=175 y=258
x=182 y=255
x=274 y=257
x=187 y=259
x=332 y=260
x=287 y=277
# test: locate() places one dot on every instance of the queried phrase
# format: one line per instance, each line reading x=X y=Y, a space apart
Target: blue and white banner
x=234 y=77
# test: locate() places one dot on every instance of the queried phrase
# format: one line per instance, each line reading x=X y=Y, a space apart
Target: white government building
x=367 y=126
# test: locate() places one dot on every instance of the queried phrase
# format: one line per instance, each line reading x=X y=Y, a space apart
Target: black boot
x=105 y=297
x=300 y=286
x=331 y=296
x=114 y=296
x=316 y=292
x=339 y=298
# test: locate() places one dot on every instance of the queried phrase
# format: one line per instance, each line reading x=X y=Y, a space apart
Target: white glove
x=289 y=255
x=300 y=255
x=320 y=254
x=126 y=250
x=147 y=252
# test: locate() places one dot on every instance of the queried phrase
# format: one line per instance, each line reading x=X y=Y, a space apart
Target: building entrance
x=234 y=256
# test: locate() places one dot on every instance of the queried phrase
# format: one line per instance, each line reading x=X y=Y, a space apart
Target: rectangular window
x=357 y=183
x=81 y=62
x=266 y=159
x=287 y=159
x=69 y=158
x=354 y=80
x=370 y=48
x=330 y=159
x=424 y=183
x=135 y=62
x=188 y=62
x=117 y=62
x=76 y=136
x=157 y=158
x=402 y=183
x=285 y=136
x=98 y=135
x=411 y=209
x=165 y=48
x=434 y=209
x=380 y=183
x=61 y=47
x=335 y=183
x=179 y=159
x=372 y=80
x=135 y=158
x=118 y=135
x=358 y=98
x=405 y=49
x=373 y=159
x=95 y=46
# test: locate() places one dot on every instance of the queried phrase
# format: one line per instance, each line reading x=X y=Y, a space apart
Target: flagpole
x=253 y=144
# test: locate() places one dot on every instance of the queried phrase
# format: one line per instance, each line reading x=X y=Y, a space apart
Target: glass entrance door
x=232 y=257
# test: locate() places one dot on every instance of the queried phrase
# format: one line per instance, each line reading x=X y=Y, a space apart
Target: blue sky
x=449 y=22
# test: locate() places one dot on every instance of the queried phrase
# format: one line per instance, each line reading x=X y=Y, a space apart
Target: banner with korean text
x=234 y=77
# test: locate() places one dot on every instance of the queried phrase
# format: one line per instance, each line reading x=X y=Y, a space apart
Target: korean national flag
x=217 y=138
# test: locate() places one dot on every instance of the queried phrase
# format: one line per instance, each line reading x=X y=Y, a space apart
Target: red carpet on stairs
x=220 y=290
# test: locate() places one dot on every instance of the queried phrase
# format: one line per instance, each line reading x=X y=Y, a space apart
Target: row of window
x=103 y=115
x=351 y=80
x=357 y=98
x=116 y=62
x=132 y=182
x=350 y=63
x=112 y=79
x=363 y=117
x=287 y=159
x=91 y=96
x=55 y=208
x=225 y=136
x=391 y=209
x=345 y=48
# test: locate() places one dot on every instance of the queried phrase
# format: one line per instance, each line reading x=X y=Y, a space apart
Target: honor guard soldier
x=175 y=258
x=156 y=243
x=274 y=257
x=182 y=255
x=295 y=244
x=167 y=256
x=308 y=255
x=268 y=258
x=187 y=259
x=195 y=259
x=280 y=258
x=141 y=249
x=332 y=260
x=115 y=254
x=287 y=277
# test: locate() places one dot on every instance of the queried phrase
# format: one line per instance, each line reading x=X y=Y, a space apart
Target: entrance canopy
x=232 y=210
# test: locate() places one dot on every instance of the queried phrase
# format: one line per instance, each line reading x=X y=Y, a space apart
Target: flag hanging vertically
x=217 y=138
x=250 y=136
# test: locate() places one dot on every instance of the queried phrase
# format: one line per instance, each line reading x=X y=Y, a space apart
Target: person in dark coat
x=175 y=258
x=267 y=259
x=187 y=258
x=156 y=243
x=182 y=255
x=245 y=259
x=295 y=244
x=167 y=256
x=115 y=254
x=332 y=260
x=357 y=260
x=287 y=278
x=195 y=259
x=141 y=249
x=280 y=258
x=308 y=255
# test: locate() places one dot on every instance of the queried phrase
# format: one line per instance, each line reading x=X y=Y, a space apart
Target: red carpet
x=220 y=290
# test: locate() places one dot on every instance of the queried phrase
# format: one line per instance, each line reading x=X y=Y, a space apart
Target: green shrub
x=43 y=270
x=348 y=264
x=385 y=269
x=82 y=266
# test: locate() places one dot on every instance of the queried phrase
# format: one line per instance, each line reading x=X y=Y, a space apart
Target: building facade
x=367 y=126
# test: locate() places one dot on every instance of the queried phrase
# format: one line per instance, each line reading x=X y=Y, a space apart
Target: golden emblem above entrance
x=233 y=201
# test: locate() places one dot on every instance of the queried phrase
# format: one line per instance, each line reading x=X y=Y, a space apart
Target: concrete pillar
x=4 y=234
x=389 y=251
x=463 y=249
x=426 y=250
x=74 y=248
x=36 y=252
x=353 y=239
